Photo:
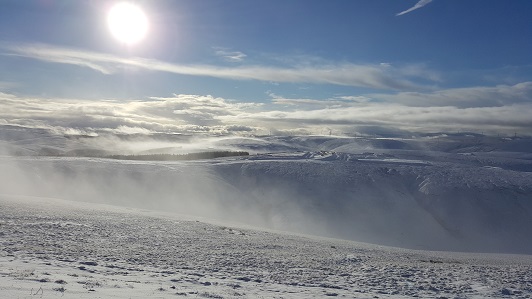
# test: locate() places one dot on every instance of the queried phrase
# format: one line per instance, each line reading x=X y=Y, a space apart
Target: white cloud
x=181 y=113
x=427 y=119
x=418 y=5
x=230 y=56
x=132 y=130
x=504 y=109
x=469 y=97
x=356 y=99
x=376 y=76
x=341 y=101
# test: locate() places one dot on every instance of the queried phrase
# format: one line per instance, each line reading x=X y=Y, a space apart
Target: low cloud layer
x=500 y=109
x=181 y=113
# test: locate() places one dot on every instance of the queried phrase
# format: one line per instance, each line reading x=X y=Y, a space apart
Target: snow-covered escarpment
x=412 y=203
x=464 y=192
x=405 y=199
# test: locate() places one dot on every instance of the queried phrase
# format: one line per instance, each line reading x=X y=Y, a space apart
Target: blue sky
x=250 y=67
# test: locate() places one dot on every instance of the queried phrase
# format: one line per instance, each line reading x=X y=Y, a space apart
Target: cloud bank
x=500 y=109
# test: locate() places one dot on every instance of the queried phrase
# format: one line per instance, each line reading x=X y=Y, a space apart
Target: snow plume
x=189 y=190
x=418 y=5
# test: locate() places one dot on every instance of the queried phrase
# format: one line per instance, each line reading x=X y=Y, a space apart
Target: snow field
x=53 y=248
x=177 y=229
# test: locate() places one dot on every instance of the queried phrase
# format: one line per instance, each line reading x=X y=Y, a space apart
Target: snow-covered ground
x=228 y=227
x=457 y=202
x=53 y=248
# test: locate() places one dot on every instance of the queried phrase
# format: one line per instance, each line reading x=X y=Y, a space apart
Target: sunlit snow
x=287 y=221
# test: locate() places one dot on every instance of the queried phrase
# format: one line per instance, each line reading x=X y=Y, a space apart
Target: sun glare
x=127 y=22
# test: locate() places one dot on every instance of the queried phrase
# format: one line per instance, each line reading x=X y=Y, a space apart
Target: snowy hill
x=231 y=227
x=61 y=249
x=423 y=194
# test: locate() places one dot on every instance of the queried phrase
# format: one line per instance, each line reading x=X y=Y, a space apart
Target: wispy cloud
x=418 y=119
x=418 y=5
x=7 y=85
x=336 y=102
x=230 y=56
x=470 y=97
x=385 y=77
x=462 y=98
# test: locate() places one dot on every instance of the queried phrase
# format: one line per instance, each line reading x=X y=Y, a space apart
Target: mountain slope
x=368 y=197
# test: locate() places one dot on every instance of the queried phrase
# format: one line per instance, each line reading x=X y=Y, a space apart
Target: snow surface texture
x=52 y=249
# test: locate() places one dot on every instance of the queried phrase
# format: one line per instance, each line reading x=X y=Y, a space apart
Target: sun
x=127 y=22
